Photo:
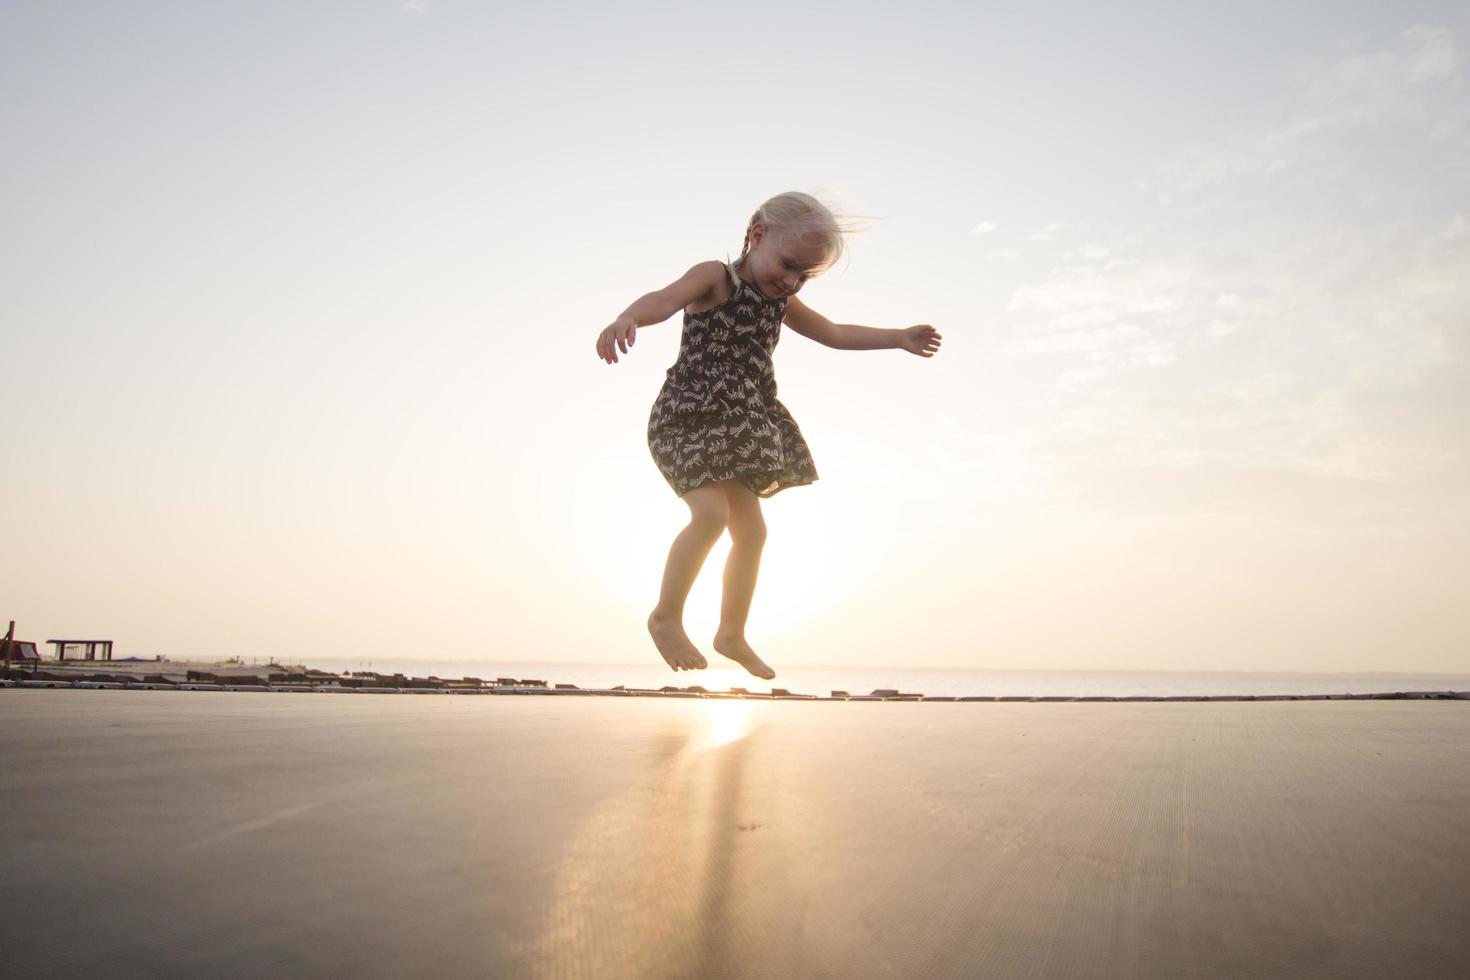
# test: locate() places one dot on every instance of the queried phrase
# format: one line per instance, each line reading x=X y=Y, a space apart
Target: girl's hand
x=617 y=336
x=922 y=340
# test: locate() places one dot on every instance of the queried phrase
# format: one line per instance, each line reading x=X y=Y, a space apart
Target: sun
x=810 y=569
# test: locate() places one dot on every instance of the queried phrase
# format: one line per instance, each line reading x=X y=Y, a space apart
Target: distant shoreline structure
x=280 y=678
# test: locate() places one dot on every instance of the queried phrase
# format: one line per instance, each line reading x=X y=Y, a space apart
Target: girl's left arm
x=921 y=339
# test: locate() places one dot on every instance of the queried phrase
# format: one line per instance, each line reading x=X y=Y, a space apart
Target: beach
x=242 y=834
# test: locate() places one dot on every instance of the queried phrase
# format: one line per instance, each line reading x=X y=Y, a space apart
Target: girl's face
x=779 y=265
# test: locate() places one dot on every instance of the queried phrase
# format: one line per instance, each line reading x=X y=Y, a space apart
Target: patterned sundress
x=717 y=416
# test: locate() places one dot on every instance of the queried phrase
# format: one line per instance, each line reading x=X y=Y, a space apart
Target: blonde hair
x=802 y=216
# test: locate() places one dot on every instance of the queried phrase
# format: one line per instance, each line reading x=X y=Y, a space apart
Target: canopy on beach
x=93 y=648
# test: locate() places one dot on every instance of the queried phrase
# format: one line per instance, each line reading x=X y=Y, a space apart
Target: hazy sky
x=298 y=302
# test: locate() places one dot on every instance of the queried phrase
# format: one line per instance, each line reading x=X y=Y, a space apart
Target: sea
x=932 y=681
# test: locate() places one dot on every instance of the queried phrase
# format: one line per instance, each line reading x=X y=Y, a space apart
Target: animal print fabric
x=717 y=416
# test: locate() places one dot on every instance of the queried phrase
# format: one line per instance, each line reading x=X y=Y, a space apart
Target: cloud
x=984 y=228
x=1353 y=85
x=1342 y=354
x=1437 y=53
x=1418 y=79
x=1088 y=294
x=1124 y=315
x=1296 y=311
x=1081 y=341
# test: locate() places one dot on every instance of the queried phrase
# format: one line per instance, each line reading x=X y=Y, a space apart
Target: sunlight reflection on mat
x=728 y=721
x=642 y=888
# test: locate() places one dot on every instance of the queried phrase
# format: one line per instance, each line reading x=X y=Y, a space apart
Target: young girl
x=717 y=431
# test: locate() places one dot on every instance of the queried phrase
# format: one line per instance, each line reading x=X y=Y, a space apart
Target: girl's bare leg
x=747 y=538
x=708 y=512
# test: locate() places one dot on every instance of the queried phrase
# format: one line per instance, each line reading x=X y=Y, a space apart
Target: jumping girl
x=718 y=433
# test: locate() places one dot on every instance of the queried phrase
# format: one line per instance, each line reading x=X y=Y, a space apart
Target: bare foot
x=739 y=651
x=673 y=643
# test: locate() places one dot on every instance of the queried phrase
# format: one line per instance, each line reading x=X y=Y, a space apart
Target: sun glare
x=808 y=566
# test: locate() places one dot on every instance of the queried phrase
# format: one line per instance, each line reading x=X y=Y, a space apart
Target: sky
x=298 y=304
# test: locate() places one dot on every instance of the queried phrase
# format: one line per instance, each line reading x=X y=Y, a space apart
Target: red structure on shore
x=17 y=651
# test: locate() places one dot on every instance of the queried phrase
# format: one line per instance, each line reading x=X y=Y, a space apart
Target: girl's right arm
x=656 y=307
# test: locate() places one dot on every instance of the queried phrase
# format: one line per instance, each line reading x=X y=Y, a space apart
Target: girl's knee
x=748 y=530
x=707 y=523
x=708 y=512
x=747 y=524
